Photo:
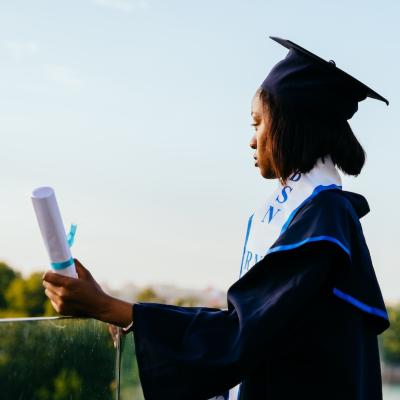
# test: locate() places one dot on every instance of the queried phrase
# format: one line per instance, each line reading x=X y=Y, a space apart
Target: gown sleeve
x=197 y=353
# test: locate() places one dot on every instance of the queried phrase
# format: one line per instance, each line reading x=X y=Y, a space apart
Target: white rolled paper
x=53 y=231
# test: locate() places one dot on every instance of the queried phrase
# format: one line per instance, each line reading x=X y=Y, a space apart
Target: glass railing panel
x=130 y=388
x=57 y=359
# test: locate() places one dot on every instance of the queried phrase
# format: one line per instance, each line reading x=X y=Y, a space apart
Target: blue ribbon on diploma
x=71 y=235
x=62 y=265
x=70 y=241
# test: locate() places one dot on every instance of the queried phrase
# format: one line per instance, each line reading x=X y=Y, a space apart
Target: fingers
x=70 y=296
x=56 y=301
x=62 y=304
x=58 y=291
x=57 y=279
x=55 y=306
x=54 y=298
x=65 y=292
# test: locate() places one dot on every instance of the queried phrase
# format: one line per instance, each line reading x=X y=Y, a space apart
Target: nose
x=253 y=142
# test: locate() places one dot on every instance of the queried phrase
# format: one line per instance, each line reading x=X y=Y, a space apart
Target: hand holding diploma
x=85 y=297
x=80 y=297
x=68 y=295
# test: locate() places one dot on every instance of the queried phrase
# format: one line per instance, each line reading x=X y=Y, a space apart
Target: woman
x=303 y=319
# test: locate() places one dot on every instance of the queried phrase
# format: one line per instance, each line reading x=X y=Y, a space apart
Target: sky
x=137 y=113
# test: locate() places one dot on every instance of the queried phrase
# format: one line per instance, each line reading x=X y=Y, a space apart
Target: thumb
x=83 y=273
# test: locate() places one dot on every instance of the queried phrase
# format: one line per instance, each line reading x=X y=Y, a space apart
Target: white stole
x=275 y=214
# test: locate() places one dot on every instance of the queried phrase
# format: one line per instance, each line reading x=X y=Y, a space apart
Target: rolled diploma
x=53 y=232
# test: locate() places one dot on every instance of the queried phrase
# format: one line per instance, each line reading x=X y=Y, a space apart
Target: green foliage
x=148 y=295
x=67 y=358
x=130 y=387
x=187 y=302
x=67 y=385
x=12 y=314
x=7 y=275
x=391 y=338
x=27 y=295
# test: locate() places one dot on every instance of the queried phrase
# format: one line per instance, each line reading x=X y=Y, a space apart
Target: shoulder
x=333 y=206
x=331 y=216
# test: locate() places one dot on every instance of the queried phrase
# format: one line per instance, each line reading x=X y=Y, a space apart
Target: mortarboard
x=304 y=82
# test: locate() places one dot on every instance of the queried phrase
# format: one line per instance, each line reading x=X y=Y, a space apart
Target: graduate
x=303 y=318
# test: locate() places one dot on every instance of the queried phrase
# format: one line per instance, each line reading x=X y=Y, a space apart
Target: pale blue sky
x=138 y=114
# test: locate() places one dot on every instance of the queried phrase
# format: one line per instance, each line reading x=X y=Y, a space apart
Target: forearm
x=116 y=312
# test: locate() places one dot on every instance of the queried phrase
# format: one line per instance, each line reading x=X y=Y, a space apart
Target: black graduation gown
x=302 y=323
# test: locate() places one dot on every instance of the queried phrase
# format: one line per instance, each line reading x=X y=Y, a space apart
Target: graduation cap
x=304 y=82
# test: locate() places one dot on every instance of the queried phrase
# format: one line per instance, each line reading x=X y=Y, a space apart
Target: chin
x=267 y=174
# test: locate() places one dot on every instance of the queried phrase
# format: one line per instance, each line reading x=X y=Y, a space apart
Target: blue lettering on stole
x=270 y=214
x=250 y=261
x=295 y=177
x=245 y=242
x=284 y=194
x=249 y=256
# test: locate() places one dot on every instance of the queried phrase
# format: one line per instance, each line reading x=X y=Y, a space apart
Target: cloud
x=20 y=50
x=122 y=5
x=62 y=74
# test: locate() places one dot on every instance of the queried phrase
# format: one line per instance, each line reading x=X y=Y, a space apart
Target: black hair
x=296 y=140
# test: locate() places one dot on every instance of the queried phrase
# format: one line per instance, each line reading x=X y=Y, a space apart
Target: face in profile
x=259 y=140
